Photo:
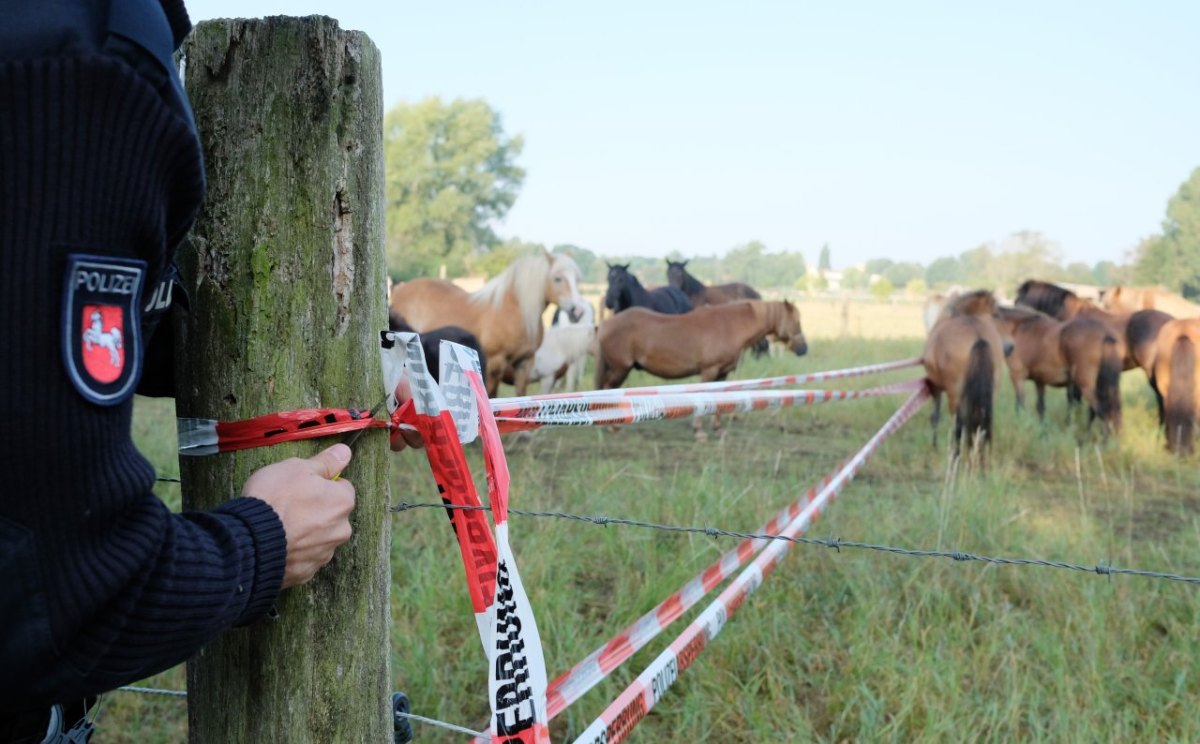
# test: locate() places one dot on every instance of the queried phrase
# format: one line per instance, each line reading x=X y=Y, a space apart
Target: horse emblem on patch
x=101 y=332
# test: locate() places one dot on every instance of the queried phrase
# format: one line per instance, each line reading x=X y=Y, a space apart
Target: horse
x=110 y=339
x=1096 y=355
x=1141 y=338
x=1131 y=299
x=1175 y=373
x=564 y=351
x=1050 y=299
x=700 y=294
x=431 y=343
x=707 y=341
x=505 y=315
x=1036 y=355
x=963 y=357
x=625 y=291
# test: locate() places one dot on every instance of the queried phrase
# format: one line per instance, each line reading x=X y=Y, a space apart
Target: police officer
x=101 y=176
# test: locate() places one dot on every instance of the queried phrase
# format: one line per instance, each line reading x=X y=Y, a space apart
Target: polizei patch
x=101 y=326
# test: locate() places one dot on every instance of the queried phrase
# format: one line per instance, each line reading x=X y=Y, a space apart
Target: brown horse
x=1141 y=337
x=702 y=294
x=1175 y=373
x=1065 y=305
x=1096 y=355
x=505 y=314
x=1037 y=354
x=964 y=354
x=707 y=341
x=1131 y=299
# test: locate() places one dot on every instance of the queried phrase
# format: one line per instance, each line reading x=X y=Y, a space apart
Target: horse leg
x=935 y=416
x=1041 y=401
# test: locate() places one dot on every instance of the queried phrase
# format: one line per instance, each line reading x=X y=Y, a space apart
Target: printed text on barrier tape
x=632 y=705
x=206 y=436
x=517 y=667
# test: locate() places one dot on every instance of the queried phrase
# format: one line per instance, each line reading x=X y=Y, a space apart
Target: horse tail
x=601 y=365
x=978 y=391
x=1108 y=383
x=1180 y=393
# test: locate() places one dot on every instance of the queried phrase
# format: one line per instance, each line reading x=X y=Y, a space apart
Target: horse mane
x=970 y=303
x=691 y=285
x=526 y=279
x=1049 y=298
x=1021 y=315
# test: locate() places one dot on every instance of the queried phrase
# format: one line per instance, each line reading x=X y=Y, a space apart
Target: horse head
x=787 y=328
x=618 y=286
x=562 y=285
x=676 y=273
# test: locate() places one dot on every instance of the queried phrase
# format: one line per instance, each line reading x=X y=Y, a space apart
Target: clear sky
x=908 y=130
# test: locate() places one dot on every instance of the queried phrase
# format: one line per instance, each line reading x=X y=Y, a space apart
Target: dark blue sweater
x=100 y=585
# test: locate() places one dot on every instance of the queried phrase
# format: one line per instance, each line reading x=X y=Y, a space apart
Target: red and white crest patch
x=102 y=327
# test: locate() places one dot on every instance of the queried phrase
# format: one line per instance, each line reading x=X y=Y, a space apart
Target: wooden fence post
x=286 y=275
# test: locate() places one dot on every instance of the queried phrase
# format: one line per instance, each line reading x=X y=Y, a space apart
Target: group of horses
x=1054 y=338
x=682 y=329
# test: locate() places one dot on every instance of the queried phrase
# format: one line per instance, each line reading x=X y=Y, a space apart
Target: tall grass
x=835 y=646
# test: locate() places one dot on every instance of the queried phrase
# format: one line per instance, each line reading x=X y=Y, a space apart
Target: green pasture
x=834 y=646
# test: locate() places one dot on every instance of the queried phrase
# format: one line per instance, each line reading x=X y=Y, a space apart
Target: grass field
x=835 y=646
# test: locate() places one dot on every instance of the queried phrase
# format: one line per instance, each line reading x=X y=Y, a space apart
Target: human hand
x=315 y=510
x=404 y=435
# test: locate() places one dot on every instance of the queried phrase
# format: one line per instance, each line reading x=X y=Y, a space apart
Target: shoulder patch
x=101 y=326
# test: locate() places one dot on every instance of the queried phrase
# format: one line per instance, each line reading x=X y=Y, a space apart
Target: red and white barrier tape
x=507 y=628
x=632 y=705
x=208 y=436
x=725 y=386
x=603 y=410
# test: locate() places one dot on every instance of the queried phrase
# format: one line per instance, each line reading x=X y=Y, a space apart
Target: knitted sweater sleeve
x=100 y=584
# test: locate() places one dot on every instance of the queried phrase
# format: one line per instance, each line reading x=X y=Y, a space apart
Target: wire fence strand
x=837 y=544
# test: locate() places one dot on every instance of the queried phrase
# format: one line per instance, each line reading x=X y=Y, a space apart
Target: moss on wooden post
x=287 y=280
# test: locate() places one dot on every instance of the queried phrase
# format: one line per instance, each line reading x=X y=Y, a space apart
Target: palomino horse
x=505 y=314
x=963 y=357
x=1131 y=299
x=707 y=341
x=718 y=294
x=1175 y=373
x=625 y=291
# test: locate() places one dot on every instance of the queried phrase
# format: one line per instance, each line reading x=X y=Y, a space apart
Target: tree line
x=452 y=172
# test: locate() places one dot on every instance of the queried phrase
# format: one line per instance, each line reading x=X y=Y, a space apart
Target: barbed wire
x=412 y=716
x=833 y=542
x=153 y=691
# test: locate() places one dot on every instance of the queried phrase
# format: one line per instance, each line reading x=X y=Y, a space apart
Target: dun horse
x=1131 y=299
x=505 y=314
x=964 y=355
x=706 y=341
x=625 y=291
x=1175 y=373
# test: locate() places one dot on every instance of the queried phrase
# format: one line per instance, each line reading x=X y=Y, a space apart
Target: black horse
x=625 y=291
x=431 y=343
x=701 y=294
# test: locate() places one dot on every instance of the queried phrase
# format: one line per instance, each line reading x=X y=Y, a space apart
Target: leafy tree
x=590 y=265
x=878 y=265
x=450 y=173
x=1173 y=258
x=1079 y=272
x=916 y=288
x=882 y=289
x=854 y=278
x=900 y=274
x=491 y=263
x=942 y=271
x=824 y=264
